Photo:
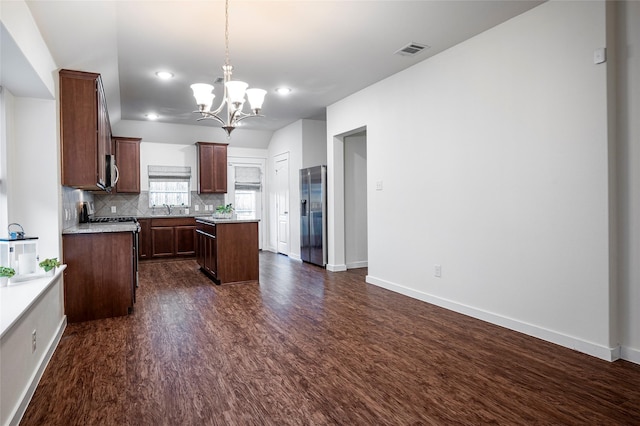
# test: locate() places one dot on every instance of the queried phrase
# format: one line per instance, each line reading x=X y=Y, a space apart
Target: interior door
x=282 y=203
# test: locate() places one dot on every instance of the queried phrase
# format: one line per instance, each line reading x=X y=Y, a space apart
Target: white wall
x=285 y=140
x=20 y=368
x=166 y=154
x=30 y=135
x=34 y=174
x=355 y=200
x=314 y=148
x=506 y=173
x=179 y=134
x=628 y=26
x=304 y=140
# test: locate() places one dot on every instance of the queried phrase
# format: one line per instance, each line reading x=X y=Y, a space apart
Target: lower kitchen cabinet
x=144 y=250
x=99 y=281
x=228 y=251
x=170 y=237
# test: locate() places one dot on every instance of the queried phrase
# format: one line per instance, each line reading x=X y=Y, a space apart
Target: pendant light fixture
x=234 y=93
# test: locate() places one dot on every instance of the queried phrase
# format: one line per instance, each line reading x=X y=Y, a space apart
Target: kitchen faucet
x=168 y=208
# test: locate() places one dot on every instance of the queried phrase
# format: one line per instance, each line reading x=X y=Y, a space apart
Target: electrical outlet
x=437 y=271
x=113 y=209
x=33 y=341
x=206 y=208
x=379 y=185
x=196 y=207
x=211 y=207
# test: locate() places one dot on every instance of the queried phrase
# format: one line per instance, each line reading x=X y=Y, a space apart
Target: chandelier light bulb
x=256 y=98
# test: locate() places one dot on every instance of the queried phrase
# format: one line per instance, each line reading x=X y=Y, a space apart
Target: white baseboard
x=630 y=354
x=37 y=375
x=360 y=264
x=336 y=268
x=589 y=348
x=295 y=257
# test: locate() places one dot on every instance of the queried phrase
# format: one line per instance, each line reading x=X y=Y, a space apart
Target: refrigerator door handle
x=303 y=208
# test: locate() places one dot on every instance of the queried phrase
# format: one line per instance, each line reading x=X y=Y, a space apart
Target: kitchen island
x=227 y=249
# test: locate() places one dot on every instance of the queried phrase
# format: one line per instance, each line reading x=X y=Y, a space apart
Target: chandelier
x=234 y=93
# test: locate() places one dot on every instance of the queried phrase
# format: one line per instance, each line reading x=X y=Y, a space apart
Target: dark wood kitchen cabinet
x=144 y=249
x=85 y=130
x=228 y=251
x=212 y=168
x=100 y=277
x=171 y=237
x=127 y=151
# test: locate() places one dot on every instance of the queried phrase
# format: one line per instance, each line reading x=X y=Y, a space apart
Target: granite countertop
x=165 y=216
x=213 y=220
x=95 y=228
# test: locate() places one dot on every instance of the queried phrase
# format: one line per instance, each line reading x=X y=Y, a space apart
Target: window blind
x=247 y=178
x=169 y=173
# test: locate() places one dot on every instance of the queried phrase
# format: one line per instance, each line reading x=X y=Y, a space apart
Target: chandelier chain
x=226 y=32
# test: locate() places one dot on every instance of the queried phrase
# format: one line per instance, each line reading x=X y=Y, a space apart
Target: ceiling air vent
x=219 y=80
x=411 y=49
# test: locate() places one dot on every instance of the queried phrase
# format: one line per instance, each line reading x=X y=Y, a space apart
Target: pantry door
x=282 y=202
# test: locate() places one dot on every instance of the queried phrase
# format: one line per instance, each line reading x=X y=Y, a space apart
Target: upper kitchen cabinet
x=85 y=131
x=212 y=168
x=127 y=151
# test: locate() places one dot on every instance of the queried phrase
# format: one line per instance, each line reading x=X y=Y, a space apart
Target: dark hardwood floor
x=310 y=347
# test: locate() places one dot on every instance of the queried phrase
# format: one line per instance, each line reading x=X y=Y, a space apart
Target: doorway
x=342 y=214
x=246 y=191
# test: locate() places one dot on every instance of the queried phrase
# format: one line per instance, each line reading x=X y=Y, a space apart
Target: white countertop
x=17 y=297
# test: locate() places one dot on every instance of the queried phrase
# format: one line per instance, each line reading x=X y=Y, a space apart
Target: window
x=169 y=185
x=247 y=192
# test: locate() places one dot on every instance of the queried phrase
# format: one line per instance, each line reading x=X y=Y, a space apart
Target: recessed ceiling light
x=152 y=116
x=283 y=90
x=164 y=75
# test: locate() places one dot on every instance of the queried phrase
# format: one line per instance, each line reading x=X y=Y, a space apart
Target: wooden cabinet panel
x=237 y=257
x=144 y=250
x=127 y=152
x=99 y=278
x=185 y=243
x=162 y=241
x=212 y=168
x=85 y=130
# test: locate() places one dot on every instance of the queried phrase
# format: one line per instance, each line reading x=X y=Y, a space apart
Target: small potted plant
x=224 y=212
x=5 y=274
x=50 y=265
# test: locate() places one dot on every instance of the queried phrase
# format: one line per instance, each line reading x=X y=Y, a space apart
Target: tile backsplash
x=127 y=205
x=71 y=201
x=138 y=204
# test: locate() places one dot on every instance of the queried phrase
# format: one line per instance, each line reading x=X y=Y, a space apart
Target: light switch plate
x=600 y=55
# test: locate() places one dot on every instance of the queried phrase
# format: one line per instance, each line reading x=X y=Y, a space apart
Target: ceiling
x=323 y=50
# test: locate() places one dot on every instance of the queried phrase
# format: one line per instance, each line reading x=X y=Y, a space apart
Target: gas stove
x=118 y=219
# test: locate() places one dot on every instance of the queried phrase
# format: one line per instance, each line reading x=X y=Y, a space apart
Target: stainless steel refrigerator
x=313 y=215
